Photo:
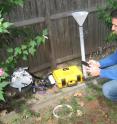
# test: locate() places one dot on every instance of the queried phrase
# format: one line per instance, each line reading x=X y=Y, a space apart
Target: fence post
x=49 y=26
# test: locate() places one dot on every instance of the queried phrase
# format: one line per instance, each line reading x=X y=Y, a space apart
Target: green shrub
x=104 y=15
x=23 y=51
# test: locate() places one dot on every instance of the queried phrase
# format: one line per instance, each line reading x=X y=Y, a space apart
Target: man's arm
x=110 y=73
x=109 y=60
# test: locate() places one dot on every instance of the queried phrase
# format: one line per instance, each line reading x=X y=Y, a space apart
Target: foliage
x=17 y=2
x=20 y=52
x=7 y=5
x=111 y=37
x=104 y=15
x=2 y=85
x=23 y=51
x=75 y=104
x=4 y=25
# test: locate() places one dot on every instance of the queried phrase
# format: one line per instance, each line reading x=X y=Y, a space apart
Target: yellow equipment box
x=67 y=76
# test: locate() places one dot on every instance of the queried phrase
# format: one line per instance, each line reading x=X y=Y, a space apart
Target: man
x=100 y=68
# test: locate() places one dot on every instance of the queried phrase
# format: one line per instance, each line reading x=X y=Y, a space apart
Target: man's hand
x=93 y=63
x=93 y=68
x=94 y=71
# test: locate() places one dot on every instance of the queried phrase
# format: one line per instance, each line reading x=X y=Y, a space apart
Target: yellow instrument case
x=67 y=76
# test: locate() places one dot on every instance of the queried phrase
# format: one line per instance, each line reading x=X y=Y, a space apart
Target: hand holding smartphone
x=85 y=63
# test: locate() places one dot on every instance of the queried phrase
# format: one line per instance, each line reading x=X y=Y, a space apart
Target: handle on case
x=65 y=69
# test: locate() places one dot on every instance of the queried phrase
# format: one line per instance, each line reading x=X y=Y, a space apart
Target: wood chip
x=79 y=94
x=79 y=113
x=81 y=104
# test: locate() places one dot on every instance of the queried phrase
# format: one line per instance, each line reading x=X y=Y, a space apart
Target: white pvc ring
x=60 y=106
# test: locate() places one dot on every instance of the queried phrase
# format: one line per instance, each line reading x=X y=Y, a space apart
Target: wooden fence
x=64 y=43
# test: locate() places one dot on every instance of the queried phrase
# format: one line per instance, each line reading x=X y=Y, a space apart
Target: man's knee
x=106 y=91
x=110 y=90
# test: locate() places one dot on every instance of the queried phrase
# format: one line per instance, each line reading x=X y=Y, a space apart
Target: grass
x=95 y=110
x=16 y=120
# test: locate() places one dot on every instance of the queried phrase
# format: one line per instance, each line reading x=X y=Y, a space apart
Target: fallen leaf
x=81 y=104
x=79 y=94
x=66 y=98
x=79 y=113
x=3 y=113
x=38 y=119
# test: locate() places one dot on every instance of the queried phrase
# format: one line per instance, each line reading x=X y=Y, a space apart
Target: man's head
x=114 y=21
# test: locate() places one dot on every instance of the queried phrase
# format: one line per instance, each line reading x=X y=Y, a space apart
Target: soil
x=95 y=111
x=29 y=108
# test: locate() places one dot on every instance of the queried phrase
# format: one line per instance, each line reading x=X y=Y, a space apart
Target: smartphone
x=85 y=63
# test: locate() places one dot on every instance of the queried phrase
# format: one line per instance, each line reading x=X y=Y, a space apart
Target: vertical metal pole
x=82 y=48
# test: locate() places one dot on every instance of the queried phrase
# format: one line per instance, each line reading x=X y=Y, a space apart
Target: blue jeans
x=110 y=88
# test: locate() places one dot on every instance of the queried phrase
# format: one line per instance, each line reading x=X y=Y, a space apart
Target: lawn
x=89 y=106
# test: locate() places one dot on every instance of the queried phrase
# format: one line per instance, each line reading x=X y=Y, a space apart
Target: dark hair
x=114 y=13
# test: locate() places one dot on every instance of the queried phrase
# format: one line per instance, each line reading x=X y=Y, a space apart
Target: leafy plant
x=23 y=51
x=17 y=2
x=74 y=104
x=2 y=86
x=104 y=15
x=112 y=37
x=20 y=52
x=7 y=5
x=4 y=25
